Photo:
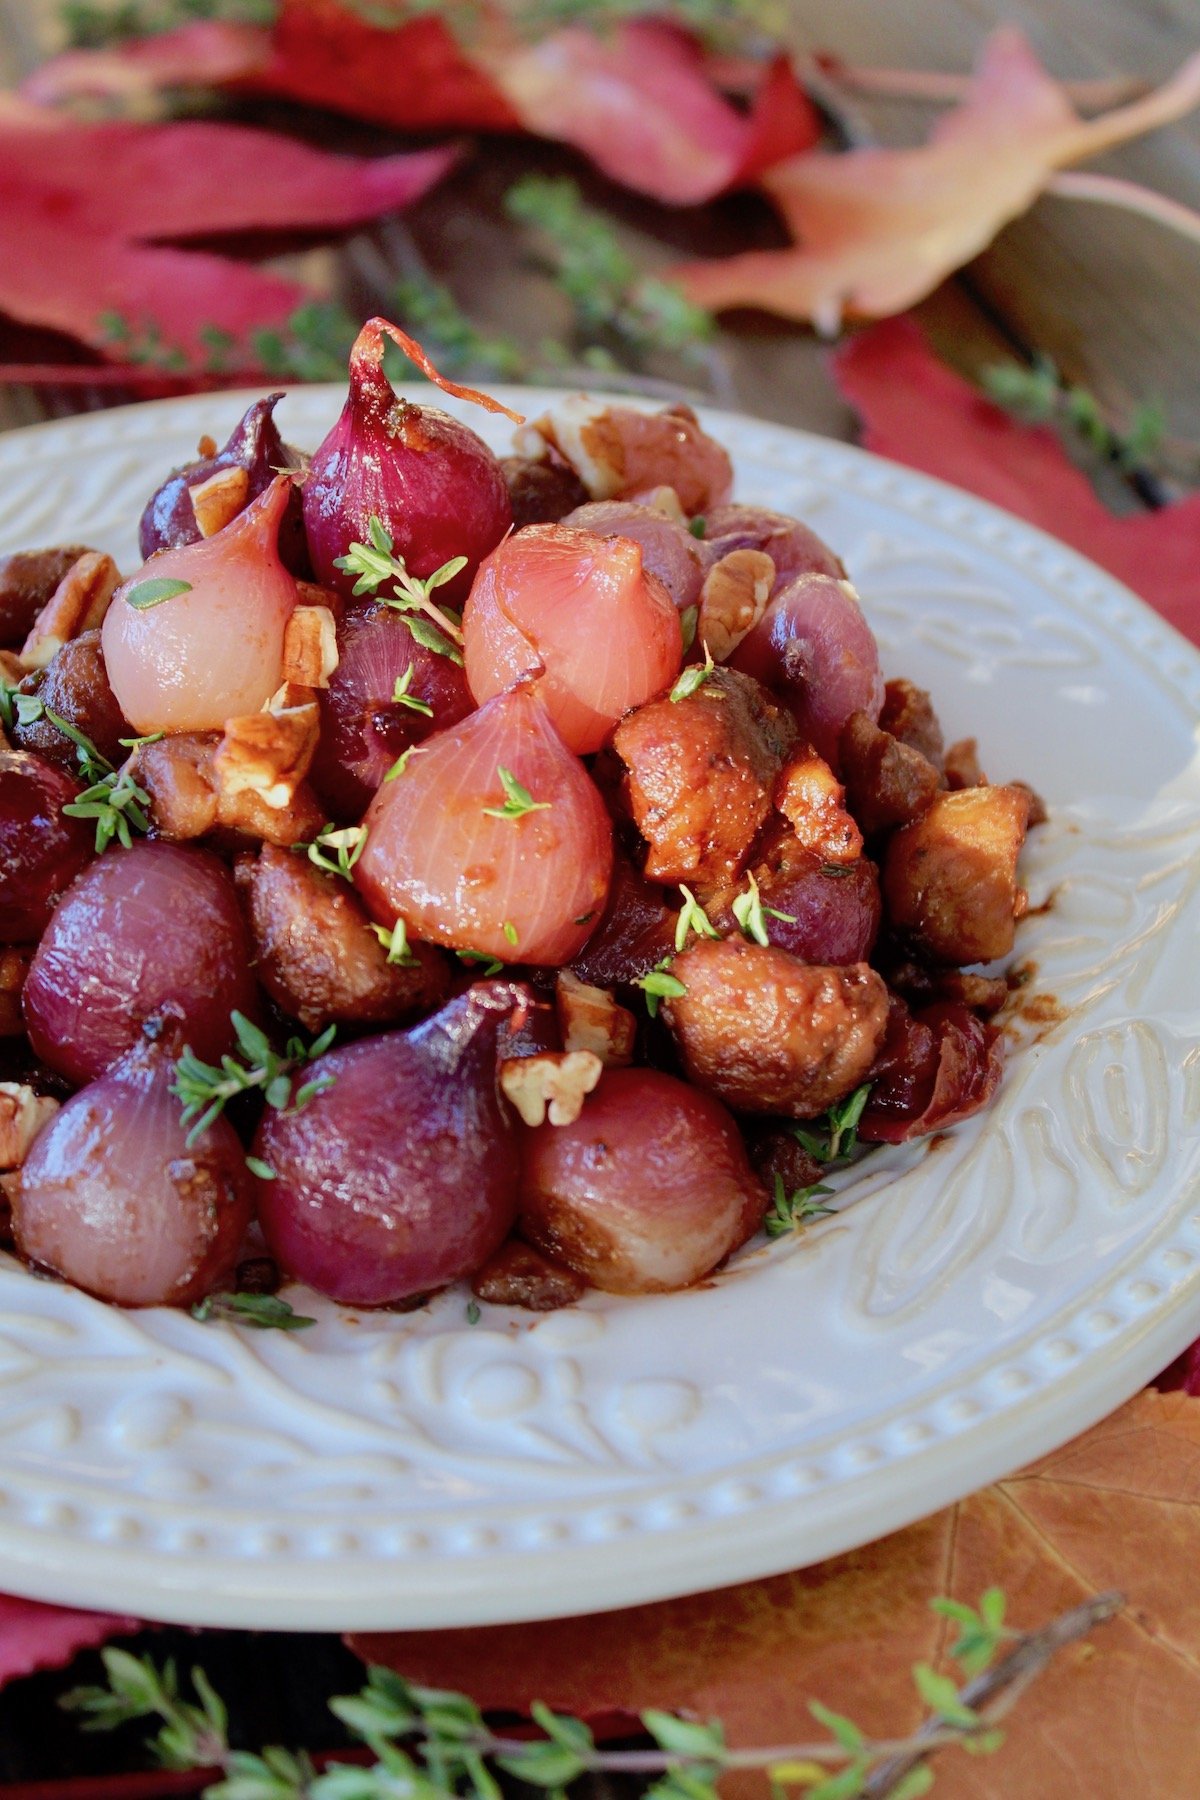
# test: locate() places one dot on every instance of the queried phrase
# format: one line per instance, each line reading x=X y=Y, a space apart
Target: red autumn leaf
x=88 y=206
x=919 y=412
x=639 y=100
x=1113 y=1716
x=877 y=229
x=47 y=1637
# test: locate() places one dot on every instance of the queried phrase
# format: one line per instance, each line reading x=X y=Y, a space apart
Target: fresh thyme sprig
x=692 y=917
x=517 y=799
x=659 y=984
x=113 y=798
x=90 y=24
x=1038 y=394
x=693 y=678
x=262 y=1312
x=346 y=842
x=433 y=1744
x=611 y=297
x=838 y=1139
x=396 y=943
x=206 y=1090
x=752 y=914
x=790 y=1211
x=375 y=562
x=402 y=697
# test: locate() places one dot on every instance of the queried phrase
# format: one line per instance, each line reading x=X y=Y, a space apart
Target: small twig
x=994 y=1693
x=936 y=87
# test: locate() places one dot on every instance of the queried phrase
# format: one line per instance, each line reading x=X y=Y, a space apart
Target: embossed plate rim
x=759 y=1518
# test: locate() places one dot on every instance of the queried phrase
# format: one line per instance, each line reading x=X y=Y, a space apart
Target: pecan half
x=22 y=1115
x=269 y=752
x=78 y=604
x=590 y=1019
x=310 y=652
x=219 y=499
x=733 y=600
x=552 y=1085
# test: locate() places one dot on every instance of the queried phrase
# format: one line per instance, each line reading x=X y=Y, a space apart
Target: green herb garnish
x=692 y=917
x=112 y=798
x=790 y=1211
x=264 y=1312
x=205 y=1090
x=473 y=1313
x=693 y=677
x=751 y=914
x=375 y=562
x=517 y=799
x=402 y=697
x=491 y=965
x=395 y=942
x=154 y=591
x=347 y=842
x=659 y=984
x=698 y=526
x=838 y=1139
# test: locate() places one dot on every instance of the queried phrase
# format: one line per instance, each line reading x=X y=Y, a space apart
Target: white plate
x=978 y=1305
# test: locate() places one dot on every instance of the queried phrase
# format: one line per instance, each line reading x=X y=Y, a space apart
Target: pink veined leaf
x=877 y=229
x=641 y=101
x=640 y=105
x=33 y=1636
x=917 y=411
x=86 y=204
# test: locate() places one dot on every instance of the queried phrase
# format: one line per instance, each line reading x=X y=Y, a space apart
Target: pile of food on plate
x=509 y=869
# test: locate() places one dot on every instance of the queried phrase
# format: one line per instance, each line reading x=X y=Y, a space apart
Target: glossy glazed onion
x=647 y=1191
x=154 y=925
x=433 y=483
x=815 y=649
x=41 y=850
x=254 y=445
x=525 y=889
x=363 y=730
x=791 y=545
x=669 y=550
x=214 y=651
x=579 y=616
x=402 y=1175
x=112 y=1198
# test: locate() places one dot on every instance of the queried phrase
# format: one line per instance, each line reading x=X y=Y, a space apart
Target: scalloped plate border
x=508 y=1560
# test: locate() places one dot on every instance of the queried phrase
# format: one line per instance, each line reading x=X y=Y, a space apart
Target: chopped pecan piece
x=813 y=801
x=551 y=1085
x=518 y=1275
x=310 y=652
x=949 y=878
x=701 y=771
x=185 y=802
x=887 y=782
x=22 y=1115
x=733 y=600
x=317 y=953
x=14 y=966
x=27 y=580
x=908 y=714
x=590 y=1019
x=770 y=1034
x=269 y=753
x=78 y=604
x=219 y=499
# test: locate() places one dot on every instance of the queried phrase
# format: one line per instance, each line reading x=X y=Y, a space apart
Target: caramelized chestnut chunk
x=770 y=1034
x=518 y=1275
x=701 y=774
x=75 y=686
x=317 y=955
x=908 y=715
x=887 y=782
x=27 y=580
x=949 y=878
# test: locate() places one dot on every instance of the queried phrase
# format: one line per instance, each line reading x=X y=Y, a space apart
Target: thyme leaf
x=693 y=677
x=517 y=799
x=751 y=914
x=206 y=1089
x=402 y=697
x=692 y=917
x=836 y=1138
x=659 y=984
x=790 y=1211
x=264 y=1312
x=347 y=842
x=152 y=592
x=395 y=942
x=375 y=562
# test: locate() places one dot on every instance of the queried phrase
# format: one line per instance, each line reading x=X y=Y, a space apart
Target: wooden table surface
x=1111 y=299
